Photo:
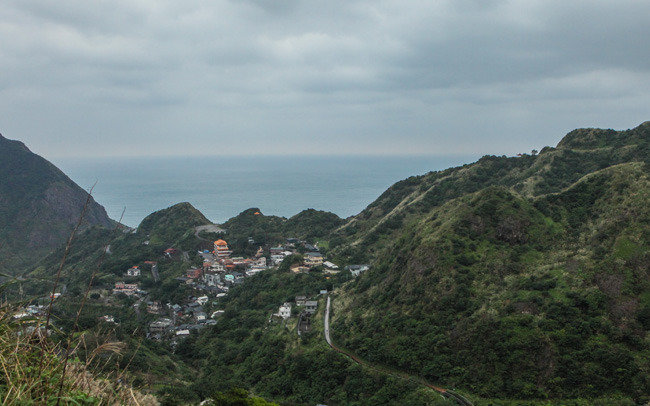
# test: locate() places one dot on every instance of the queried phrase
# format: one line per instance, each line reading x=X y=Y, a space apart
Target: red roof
x=220 y=242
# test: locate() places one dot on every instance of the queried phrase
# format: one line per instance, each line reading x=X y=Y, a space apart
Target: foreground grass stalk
x=75 y=327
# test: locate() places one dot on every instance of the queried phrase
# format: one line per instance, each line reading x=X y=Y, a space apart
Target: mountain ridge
x=39 y=205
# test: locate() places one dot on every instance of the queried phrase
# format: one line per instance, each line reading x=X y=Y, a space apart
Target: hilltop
x=167 y=223
x=39 y=206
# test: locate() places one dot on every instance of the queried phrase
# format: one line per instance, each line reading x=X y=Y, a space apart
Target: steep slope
x=39 y=205
x=515 y=296
x=166 y=224
x=579 y=153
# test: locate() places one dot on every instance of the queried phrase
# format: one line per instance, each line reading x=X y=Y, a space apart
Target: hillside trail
x=403 y=375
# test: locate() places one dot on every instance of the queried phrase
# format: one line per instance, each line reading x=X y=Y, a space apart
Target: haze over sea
x=222 y=187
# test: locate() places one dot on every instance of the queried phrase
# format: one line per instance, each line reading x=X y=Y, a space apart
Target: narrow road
x=444 y=392
x=208 y=228
x=154 y=272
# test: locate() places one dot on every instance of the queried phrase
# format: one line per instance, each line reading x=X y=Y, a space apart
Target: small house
x=160 y=325
x=285 y=311
x=134 y=271
x=107 y=319
x=356 y=270
x=193 y=273
x=311 y=306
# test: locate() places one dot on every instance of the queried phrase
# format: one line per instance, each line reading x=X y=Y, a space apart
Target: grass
x=33 y=371
x=37 y=369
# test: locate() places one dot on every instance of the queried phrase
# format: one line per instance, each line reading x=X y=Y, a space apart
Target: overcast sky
x=156 y=77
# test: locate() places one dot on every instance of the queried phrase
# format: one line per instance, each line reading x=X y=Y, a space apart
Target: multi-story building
x=221 y=249
x=313 y=259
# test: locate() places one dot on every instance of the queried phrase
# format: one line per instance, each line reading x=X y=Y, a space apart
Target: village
x=219 y=272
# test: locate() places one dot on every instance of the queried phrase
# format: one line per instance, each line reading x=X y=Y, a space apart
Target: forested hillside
x=536 y=285
x=580 y=152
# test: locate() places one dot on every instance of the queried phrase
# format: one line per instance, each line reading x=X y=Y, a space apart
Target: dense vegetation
x=308 y=225
x=553 y=169
x=538 y=290
x=248 y=349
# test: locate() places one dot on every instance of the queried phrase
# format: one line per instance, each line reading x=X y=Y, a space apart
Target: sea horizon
x=223 y=186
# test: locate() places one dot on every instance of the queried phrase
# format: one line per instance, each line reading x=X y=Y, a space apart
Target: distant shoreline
x=222 y=187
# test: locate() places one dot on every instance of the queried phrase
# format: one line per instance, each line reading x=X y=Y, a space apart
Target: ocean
x=222 y=187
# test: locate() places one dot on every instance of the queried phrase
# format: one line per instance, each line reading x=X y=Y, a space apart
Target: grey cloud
x=354 y=76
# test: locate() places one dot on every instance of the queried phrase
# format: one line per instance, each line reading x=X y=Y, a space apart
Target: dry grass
x=36 y=370
x=31 y=368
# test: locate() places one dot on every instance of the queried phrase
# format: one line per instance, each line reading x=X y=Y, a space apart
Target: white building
x=276 y=259
x=285 y=311
x=330 y=265
x=133 y=271
x=356 y=270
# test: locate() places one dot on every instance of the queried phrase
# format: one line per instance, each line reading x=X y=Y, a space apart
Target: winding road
x=444 y=392
x=208 y=228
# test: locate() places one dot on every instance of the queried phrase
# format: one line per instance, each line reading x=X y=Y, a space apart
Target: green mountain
x=173 y=227
x=581 y=152
x=310 y=225
x=520 y=278
x=39 y=206
x=166 y=224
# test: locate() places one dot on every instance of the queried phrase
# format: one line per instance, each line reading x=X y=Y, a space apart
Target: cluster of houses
x=133 y=288
x=129 y=289
x=181 y=320
x=30 y=311
x=308 y=306
x=220 y=271
x=311 y=259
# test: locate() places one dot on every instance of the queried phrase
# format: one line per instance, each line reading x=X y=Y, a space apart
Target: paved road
x=444 y=392
x=208 y=228
x=154 y=272
x=327 y=323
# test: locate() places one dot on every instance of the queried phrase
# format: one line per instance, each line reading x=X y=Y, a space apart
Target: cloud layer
x=145 y=77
